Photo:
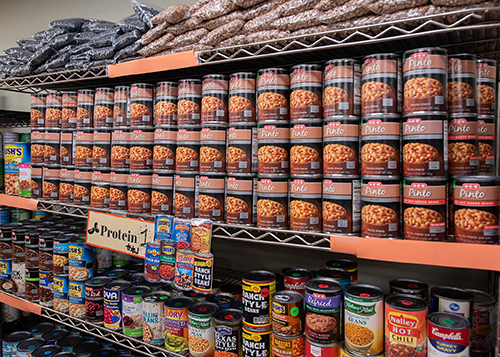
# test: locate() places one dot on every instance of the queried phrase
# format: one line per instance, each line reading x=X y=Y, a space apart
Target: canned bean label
x=153 y=321
x=201 y=329
x=242 y=150
x=305 y=204
x=274 y=146
x=241 y=200
x=256 y=342
x=272 y=203
x=305 y=149
x=258 y=287
x=341 y=205
x=448 y=335
x=184 y=270
x=273 y=94
x=113 y=304
x=287 y=313
x=486 y=72
x=341 y=94
x=203 y=273
x=486 y=140
x=189 y=102
x=242 y=97
x=227 y=332
x=132 y=310
x=176 y=324
x=282 y=346
x=306 y=91
x=341 y=147
x=462 y=84
x=463 y=145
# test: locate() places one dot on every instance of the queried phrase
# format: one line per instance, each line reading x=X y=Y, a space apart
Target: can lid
x=408 y=285
x=364 y=291
x=179 y=303
x=156 y=296
x=135 y=277
x=296 y=273
x=406 y=302
x=86 y=347
x=65 y=354
x=191 y=294
x=259 y=276
x=228 y=316
x=448 y=320
x=482 y=298
x=117 y=273
x=69 y=341
x=97 y=281
x=287 y=297
x=105 y=352
x=17 y=336
x=203 y=309
x=335 y=274
x=220 y=299
x=55 y=335
x=345 y=264
x=451 y=293
x=237 y=305
x=42 y=328
x=30 y=344
x=117 y=285
x=324 y=285
x=47 y=350
x=137 y=291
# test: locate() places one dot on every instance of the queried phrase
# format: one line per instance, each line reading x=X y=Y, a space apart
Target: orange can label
x=406 y=331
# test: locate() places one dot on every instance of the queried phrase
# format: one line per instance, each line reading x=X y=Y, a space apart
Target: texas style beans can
x=462 y=84
x=486 y=73
x=241 y=97
x=242 y=159
x=305 y=204
x=424 y=208
x=287 y=313
x=341 y=94
x=273 y=88
x=241 y=200
x=258 y=288
x=274 y=146
x=341 y=147
x=272 y=202
x=306 y=81
x=380 y=207
x=306 y=144
x=341 y=202
x=463 y=150
x=448 y=335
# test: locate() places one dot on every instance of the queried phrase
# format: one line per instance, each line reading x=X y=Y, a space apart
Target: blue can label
x=5 y=269
x=163 y=227
x=112 y=309
x=182 y=234
x=4 y=217
x=45 y=279
x=77 y=289
x=61 y=247
x=61 y=287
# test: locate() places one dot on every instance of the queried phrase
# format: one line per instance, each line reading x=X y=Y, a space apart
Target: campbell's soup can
x=452 y=300
x=486 y=73
x=448 y=335
x=306 y=82
x=316 y=350
x=258 y=287
x=405 y=325
x=462 y=84
x=295 y=279
x=483 y=322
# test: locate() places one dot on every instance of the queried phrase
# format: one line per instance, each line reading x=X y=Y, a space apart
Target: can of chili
x=287 y=312
x=409 y=287
x=164 y=149
x=381 y=85
x=214 y=99
x=69 y=105
x=295 y=279
x=258 y=288
x=241 y=150
x=317 y=350
x=185 y=205
x=118 y=191
x=486 y=143
x=101 y=149
x=84 y=142
x=273 y=88
x=272 y=202
x=476 y=209
x=37 y=146
x=162 y=192
x=452 y=300
x=188 y=149
x=241 y=200
x=463 y=145
x=425 y=75
x=305 y=204
x=82 y=186
x=184 y=265
x=210 y=197
x=53 y=111
x=51 y=180
x=52 y=150
x=341 y=202
x=405 y=325
x=168 y=250
x=339 y=275
x=287 y=346
x=103 y=107
x=121 y=114
x=274 y=146
x=306 y=82
x=139 y=192
x=141 y=105
x=242 y=97
x=120 y=149
x=166 y=104
x=213 y=150
x=67 y=147
x=425 y=143
x=306 y=144
x=341 y=94
x=381 y=207
x=99 y=192
x=483 y=322
x=441 y=327
x=380 y=146
x=85 y=109
x=462 y=84
x=425 y=208
x=141 y=149
x=228 y=332
x=486 y=73
x=341 y=147
x=256 y=341
x=189 y=102
x=38 y=106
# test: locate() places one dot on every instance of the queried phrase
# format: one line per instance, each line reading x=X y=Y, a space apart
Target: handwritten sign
x=120 y=234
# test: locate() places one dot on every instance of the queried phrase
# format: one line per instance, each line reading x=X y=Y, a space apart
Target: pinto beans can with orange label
x=51 y=180
x=37 y=146
x=141 y=105
x=166 y=104
x=424 y=208
x=241 y=97
x=462 y=84
x=486 y=73
x=425 y=144
x=272 y=202
x=188 y=150
x=214 y=99
x=273 y=89
x=425 y=80
x=476 y=209
x=101 y=150
x=66 y=155
x=405 y=325
x=164 y=149
x=210 y=198
x=99 y=192
x=306 y=144
x=213 y=150
x=37 y=116
x=121 y=107
x=84 y=141
x=274 y=146
x=141 y=149
x=185 y=202
x=120 y=150
x=85 y=109
x=306 y=82
x=341 y=94
x=189 y=102
x=241 y=200
x=118 y=191
x=241 y=150
x=82 y=186
x=69 y=105
x=341 y=147
x=162 y=194
x=381 y=207
x=139 y=192
x=462 y=145
x=52 y=147
x=103 y=108
x=53 y=111
x=381 y=85
x=486 y=143
x=380 y=146
x=341 y=204
x=305 y=204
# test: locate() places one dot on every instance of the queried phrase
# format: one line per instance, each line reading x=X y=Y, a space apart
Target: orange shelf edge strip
x=20 y=304
x=18 y=202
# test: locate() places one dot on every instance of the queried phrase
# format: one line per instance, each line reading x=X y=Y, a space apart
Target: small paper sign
x=120 y=234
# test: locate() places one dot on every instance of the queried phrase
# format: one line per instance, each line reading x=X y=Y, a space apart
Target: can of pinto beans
x=185 y=205
x=463 y=145
x=103 y=108
x=274 y=147
x=486 y=144
x=272 y=202
x=141 y=105
x=189 y=102
x=273 y=88
x=38 y=106
x=341 y=202
x=85 y=109
x=214 y=99
x=241 y=150
x=188 y=149
x=241 y=200
x=164 y=149
x=166 y=104
x=305 y=92
x=486 y=73
x=242 y=97
x=210 y=197
x=306 y=144
x=341 y=147
x=213 y=150
x=162 y=191
x=462 y=85
x=305 y=204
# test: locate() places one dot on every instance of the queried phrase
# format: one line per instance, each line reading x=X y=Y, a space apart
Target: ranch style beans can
x=448 y=335
x=486 y=73
x=316 y=350
x=85 y=109
x=287 y=346
x=164 y=149
x=341 y=147
x=203 y=273
x=214 y=99
x=306 y=144
x=188 y=149
x=213 y=150
x=53 y=111
x=345 y=264
x=139 y=192
x=380 y=146
x=185 y=205
x=120 y=150
x=295 y=279
x=273 y=89
x=483 y=322
x=256 y=341
x=241 y=200
x=84 y=141
x=141 y=149
x=141 y=105
x=475 y=209
x=462 y=84
x=177 y=324
x=380 y=207
x=381 y=85
x=101 y=149
x=210 y=198
x=103 y=108
x=339 y=275
x=241 y=150
x=258 y=288
x=323 y=318
x=341 y=94
x=405 y=325
x=153 y=320
x=425 y=144
x=37 y=114
x=189 y=102
x=274 y=146
x=364 y=319
x=425 y=208
x=341 y=204
x=452 y=300
x=228 y=332
x=409 y=287
x=201 y=329
x=118 y=191
x=287 y=313
x=242 y=97
x=425 y=76
x=306 y=82
x=305 y=204
x=463 y=150
x=486 y=144
x=272 y=202
x=166 y=104
x=121 y=109
x=162 y=192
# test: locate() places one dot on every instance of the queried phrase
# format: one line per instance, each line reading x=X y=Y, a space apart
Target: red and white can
x=316 y=350
x=296 y=278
